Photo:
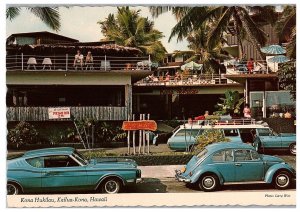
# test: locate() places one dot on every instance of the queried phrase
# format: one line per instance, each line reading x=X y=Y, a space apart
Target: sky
x=80 y=22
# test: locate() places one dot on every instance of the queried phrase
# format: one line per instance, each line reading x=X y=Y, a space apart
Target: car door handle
x=237 y=164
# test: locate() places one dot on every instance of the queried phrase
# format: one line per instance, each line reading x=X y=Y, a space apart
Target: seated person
x=89 y=60
x=250 y=65
x=78 y=59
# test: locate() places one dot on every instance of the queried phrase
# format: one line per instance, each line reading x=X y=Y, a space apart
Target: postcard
x=149 y=105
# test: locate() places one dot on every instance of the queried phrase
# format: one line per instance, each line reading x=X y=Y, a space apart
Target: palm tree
x=128 y=28
x=191 y=18
x=49 y=15
x=209 y=57
x=231 y=104
x=286 y=28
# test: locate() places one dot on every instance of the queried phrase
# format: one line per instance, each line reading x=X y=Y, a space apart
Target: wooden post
x=22 y=58
x=140 y=137
x=133 y=139
x=148 y=137
x=128 y=139
x=144 y=143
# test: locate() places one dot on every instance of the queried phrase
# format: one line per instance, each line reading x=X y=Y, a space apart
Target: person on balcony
x=167 y=79
x=247 y=111
x=89 y=60
x=250 y=65
x=78 y=60
x=177 y=76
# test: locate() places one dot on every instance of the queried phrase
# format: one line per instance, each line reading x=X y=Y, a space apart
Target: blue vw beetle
x=64 y=169
x=227 y=162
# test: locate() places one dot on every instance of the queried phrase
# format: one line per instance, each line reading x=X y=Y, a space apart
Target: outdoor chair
x=47 y=62
x=31 y=61
x=89 y=65
x=105 y=65
x=78 y=64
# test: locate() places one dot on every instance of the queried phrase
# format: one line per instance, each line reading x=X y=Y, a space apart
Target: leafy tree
x=286 y=29
x=128 y=28
x=220 y=17
x=210 y=136
x=231 y=104
x=287 y=78
x=49 y=15
x=23 y=133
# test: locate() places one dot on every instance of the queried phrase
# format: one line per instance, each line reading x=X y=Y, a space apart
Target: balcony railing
x=66 y=63
x=259 y=67
x=79 y=113
x=196 y=79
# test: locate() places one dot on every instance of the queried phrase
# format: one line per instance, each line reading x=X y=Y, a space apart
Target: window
x=189 y=132
x=36 y=162
x=243 y=155
x=231 y=132
x=222 y=156
x=264 y=132
x=255 y=155
x=202 y=154
x=59 y=161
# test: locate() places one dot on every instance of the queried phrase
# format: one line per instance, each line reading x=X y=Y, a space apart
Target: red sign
x=139 y=125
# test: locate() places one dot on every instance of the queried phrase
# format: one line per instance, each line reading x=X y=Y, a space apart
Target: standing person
x=247 y=111
x=78 y=60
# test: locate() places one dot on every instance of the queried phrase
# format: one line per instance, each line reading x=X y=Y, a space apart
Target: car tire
x=292 y=148
x=111 y=185
x=282 y=180
x=13 y=189
x=209 y=182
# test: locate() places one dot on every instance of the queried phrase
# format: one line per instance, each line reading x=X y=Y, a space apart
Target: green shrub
x=208 y=137
x=22 y=133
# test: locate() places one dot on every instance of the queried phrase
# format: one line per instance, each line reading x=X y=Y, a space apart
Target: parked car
x=231 y=163
x=256 y=133
x=267 y=139
x=65 y=169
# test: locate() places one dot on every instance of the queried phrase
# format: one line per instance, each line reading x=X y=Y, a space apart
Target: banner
x=59 y=112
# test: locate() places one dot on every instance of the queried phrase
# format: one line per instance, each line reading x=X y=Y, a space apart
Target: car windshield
x=80 y=157
x=202 y=154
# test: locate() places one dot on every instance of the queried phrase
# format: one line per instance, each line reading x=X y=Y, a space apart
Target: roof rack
x=226 y=122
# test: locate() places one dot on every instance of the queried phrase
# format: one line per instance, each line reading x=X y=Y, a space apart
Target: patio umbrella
x=191 y=66
x=273 y=49
x=279 y=59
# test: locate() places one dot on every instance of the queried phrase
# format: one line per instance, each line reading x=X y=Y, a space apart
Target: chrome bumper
x=180 y=178
x=138 y=180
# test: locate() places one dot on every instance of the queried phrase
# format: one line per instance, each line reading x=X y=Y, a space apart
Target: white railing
x=66 y=63
x=184 y=79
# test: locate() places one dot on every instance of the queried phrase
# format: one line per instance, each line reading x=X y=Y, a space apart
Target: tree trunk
x=249 y=33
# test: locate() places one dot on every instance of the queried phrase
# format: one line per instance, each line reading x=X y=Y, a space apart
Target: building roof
x=31 y=34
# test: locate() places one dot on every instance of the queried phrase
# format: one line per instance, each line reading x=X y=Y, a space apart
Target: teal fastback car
x=64 y=169
x=267 y=139
x=232 y=163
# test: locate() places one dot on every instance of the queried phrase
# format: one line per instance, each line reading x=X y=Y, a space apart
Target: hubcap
x=208 y=182
x=11 y=189
x=282 y=180
x=111 y=186
x=293 y=148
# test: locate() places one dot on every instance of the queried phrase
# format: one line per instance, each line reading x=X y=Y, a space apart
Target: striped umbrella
x=279 y=59
x=273 y=49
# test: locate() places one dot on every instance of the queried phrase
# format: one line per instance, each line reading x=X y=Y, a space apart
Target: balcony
x=185 y=80
x=79 y=113
x=22 y=62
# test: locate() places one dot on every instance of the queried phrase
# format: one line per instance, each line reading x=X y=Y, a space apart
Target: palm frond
x=12 y=12
x=49 y=15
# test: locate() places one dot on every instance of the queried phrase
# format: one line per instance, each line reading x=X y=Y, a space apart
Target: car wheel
x=282 y=180
x=292 y=148
x=111 y=186
x=13 y=189
x=209 y=182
